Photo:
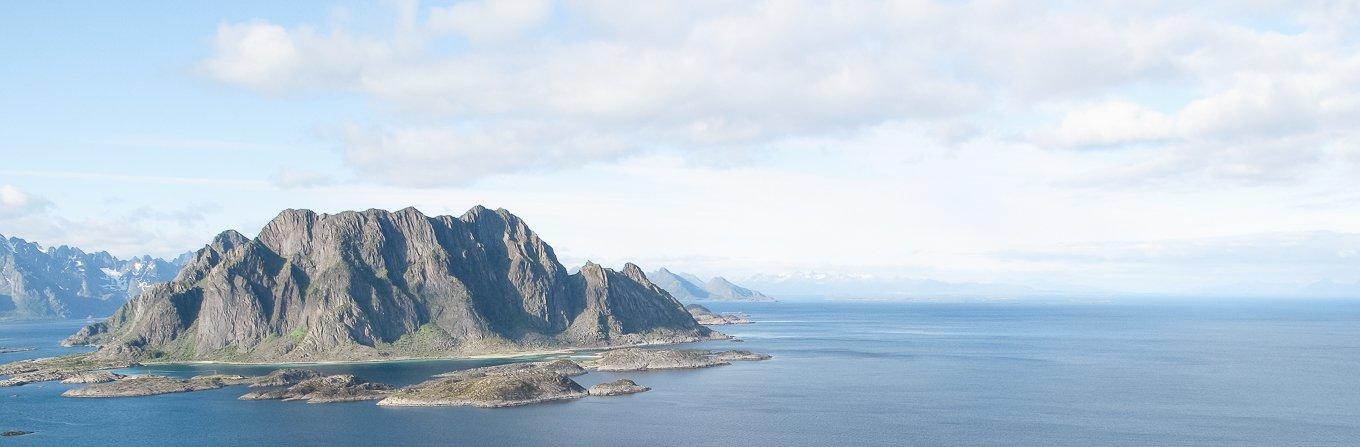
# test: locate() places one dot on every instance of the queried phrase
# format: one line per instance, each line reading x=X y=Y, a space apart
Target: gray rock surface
x=638 y=359
x=66 y=282
x=378 y=284
x=617 y=388
x=708 y=317
x=494 y=386
x=338 y=388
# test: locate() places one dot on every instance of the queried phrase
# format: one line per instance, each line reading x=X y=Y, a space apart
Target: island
x=617 y=388
x=708 y=317
x=638 y=359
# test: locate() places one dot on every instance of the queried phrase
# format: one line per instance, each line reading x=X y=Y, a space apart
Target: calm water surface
x=1261 y=373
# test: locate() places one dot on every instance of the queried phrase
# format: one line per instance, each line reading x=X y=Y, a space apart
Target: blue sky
x=1131 y=147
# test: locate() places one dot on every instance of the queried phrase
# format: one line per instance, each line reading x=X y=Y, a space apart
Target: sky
x=1126 y=147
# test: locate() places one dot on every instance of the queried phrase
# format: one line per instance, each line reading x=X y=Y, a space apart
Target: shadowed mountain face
x=65 y=282
x=375 y=284
x=687 y=287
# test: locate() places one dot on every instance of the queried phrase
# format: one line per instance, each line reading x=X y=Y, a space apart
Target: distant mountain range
x=687 y=287
x=66 y=282
x=379 y=284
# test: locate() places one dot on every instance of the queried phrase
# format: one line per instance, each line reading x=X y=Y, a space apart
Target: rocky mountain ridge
x=66 y=282
x=687 y=287
x=379 y=284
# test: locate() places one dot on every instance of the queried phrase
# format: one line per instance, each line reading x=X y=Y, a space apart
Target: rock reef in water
x=638 y=359
x=153 y=385
x=708 y=317
x=617 y=388
x=495 y=386
x=15 y=433
x=337 y=388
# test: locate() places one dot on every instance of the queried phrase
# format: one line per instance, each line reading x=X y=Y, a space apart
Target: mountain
x=379 y=284
x=687 y=287
x=65 y=282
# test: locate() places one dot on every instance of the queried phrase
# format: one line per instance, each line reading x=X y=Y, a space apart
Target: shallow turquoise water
x=1261 y=373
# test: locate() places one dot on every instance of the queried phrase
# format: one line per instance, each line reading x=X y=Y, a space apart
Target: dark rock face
x=687 y=287
x=379 y=284
x=65 y=282
x=707 y=317
x=495 y=386
x=617 y=388
x=338 y=388
x=636 y=359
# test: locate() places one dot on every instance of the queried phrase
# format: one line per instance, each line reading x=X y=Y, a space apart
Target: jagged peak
x=229 y=239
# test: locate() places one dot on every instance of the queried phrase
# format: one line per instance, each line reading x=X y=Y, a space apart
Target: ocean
x=1264 y=373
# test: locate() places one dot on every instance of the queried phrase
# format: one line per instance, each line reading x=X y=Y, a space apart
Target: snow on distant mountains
x=66 y=282
x=687 y=287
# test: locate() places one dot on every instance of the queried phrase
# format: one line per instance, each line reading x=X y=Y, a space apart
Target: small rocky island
x=638 y=359
x=709 y=318
x=495 y=386
x=319 y=390
x=4 y=350
x=153 y=385
x=617 y=388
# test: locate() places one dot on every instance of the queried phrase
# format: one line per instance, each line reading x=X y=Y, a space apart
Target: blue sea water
x=844 y=373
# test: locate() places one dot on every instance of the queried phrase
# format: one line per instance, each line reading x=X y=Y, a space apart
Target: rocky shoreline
x=507 y=385
x=710 y=318
x=617 y=388
x=638 y=359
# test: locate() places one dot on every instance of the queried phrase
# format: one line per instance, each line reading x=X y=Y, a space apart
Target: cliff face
x=374 y=284
x=65 y=282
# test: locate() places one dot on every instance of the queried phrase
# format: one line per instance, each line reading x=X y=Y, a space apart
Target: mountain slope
x=680 y=287
x=65 y=282
x=687 y=287
x=375 y=284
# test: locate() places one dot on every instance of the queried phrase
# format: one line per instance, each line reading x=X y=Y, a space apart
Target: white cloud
x=489 y=20
x=15 y=202
x=269 y=57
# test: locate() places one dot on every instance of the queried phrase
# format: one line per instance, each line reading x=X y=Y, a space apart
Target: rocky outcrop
x=153 y=385
x=50 y=369
x=66 y=282
x=285 y=377
x=10 y=433
x=338 y=388
x=617 y=388
x=93 y=377
x=708 y=317
x=638 y=359
x=13 y=350
x=495 y=386
x=378 y=284
x=687 y=287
